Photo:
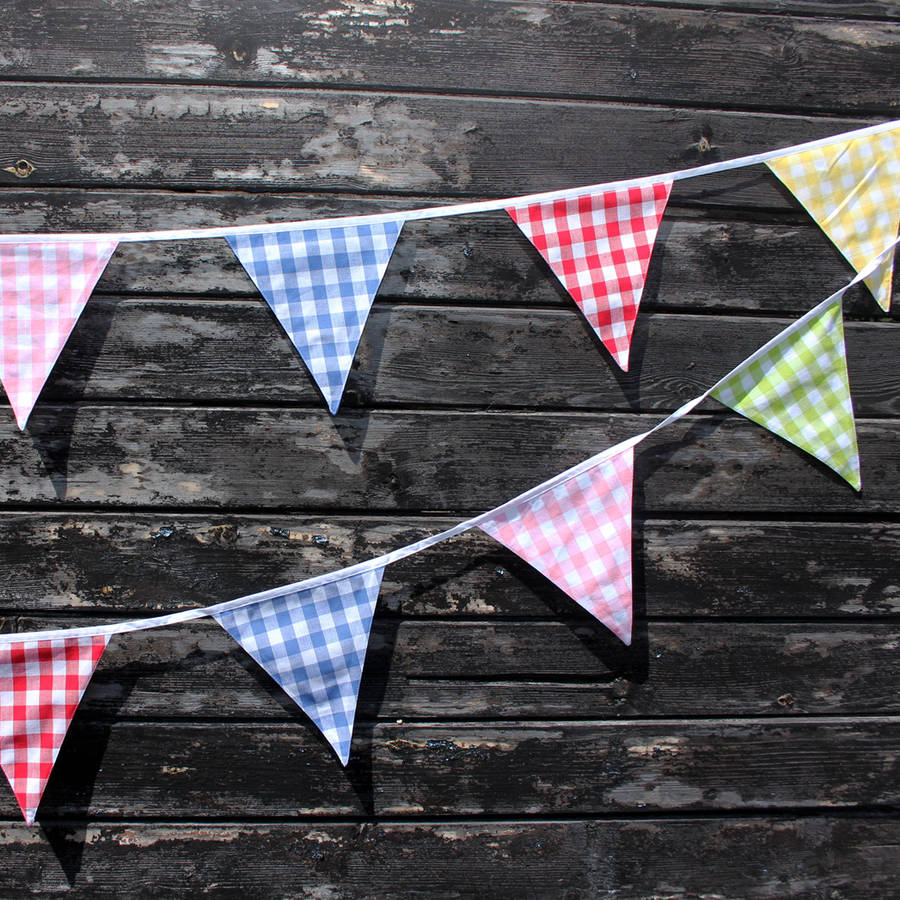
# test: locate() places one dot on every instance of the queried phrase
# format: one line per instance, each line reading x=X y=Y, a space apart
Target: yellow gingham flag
x=799 y=390
x=852 y=190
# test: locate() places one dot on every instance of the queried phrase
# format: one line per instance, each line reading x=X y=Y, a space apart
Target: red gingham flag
x=599 y=246
x=41 y=684
x=43 y=289
x=578 y=534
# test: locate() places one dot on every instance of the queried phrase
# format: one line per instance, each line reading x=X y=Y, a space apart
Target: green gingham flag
x=798 y=388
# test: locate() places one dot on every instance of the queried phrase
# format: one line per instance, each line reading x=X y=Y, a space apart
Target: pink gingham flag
x=578 y=534
x=41 y=685
x=43 y=289
x=599 y=246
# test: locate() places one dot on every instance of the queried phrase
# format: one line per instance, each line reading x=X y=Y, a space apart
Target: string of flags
x=320 y=277
x=311 y=637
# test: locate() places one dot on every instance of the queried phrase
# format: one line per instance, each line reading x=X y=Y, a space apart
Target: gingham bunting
x=313 y=643
x=852 y=190
x=320 y=284
x=41 y=685
x=799 y=389
x=599 y=246
x=578 y=534
x=43 y=289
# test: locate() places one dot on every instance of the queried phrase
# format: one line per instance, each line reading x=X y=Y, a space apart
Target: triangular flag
x=852 y=190
x=41 y=685
x=798 y=388
x=599 y=246
x=578 y=534
x=320 y=283
x=43 y=289
x=313 y=643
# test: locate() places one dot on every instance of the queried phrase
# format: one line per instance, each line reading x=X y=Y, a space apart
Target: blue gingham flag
x=320 y=284
x=313 y=643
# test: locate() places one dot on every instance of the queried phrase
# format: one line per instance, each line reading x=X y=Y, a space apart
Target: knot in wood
x=21 y=168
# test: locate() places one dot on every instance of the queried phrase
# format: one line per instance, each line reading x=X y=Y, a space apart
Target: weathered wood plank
x=851 y=856
x=116 y=565
x=656 y=55
x=521 y=670
x=701 y=262
x=113 y=564
x=871 y=9
x=168 y=351
x=274 y=459
x=146 y=136
x=134 y=770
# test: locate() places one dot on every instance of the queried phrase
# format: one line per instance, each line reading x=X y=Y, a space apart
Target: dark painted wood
x=537 y=48
x=151 y=136
x=425 y=670
x=871 y=9
x=280 y=459
x=848 y=856
x=126 y=769
x=113 y=564
x=745 y=745
x=164 y=351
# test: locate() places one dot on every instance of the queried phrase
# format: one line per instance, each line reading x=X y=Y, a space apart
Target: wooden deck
x=507 y=744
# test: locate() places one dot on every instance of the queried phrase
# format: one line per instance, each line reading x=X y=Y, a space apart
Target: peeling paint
x=84 y=66
x=190 y=59
x=531 y=13
x=668 y=746
x=360 y=16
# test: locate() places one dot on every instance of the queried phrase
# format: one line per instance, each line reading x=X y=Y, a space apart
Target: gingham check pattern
x=599 y=246
x=578 y=534
x=313 y=643
x=852 y=190
x=800 y=391
x=41 y=685
x=320 y=284
x=43 y=289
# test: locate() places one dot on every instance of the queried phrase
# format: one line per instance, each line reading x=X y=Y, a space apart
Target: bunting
x=41 y=685
x=320 y=283
x=797 y=387
x=43 y=289
x=599 y=246
x=852 y=189
x=578 y=534
x=575 y=529
x=313 y=643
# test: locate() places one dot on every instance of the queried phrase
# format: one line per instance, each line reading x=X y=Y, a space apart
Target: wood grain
x=114 y=564
x=183 y=770
x=435 y=671
x=507 y=745
x=873 y=9
x=152 y=136
x=851 y=856
x=535 y=48
x=415 y=356
x=293 y=459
